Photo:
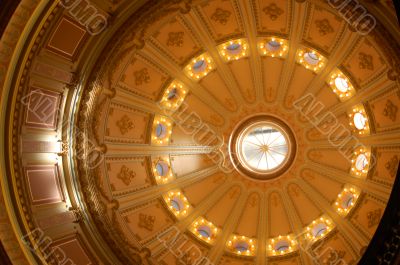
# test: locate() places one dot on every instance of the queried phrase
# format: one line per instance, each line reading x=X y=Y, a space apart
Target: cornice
x=33 y=13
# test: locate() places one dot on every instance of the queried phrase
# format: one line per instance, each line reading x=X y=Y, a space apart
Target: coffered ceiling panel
x=272 y=16
x=221 y=18
x=323 y=28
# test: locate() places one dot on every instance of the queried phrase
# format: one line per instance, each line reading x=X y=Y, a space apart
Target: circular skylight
x=199 y=66
x=204 y=231
x=162 y=168
x=263 y=147
x=347 y=201
x=359 y=120
x=311 y=58
x=234 y=48
x=161 y=130
x=341 y=84
x=282 y=245
x=319 y=229
x=177 y=204
x=173 y=94
x=273 y=45
x=361 y=162
x=241 y=246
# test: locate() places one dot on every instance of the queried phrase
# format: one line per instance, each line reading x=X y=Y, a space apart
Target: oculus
x=162 y=168
x=311 y=58
x=273 y=45
x=204 y=231
x=262 y=147
x=341 y=84
x=199 y=66
x=319 y=230
x=361 y=162
x=359 y=121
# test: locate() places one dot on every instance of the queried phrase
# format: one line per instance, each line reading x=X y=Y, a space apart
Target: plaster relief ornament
x=374 y=217
x=221 y=16
x=125 y=125
x=390 y=110
x=126 y=175
x=324 y=27
x=146 y=221
x=366 y=61
x=175 y=39
x=273 y=11
x=142 y=76
x=392 y=165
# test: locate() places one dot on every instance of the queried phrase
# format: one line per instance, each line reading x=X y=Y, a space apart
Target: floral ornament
x=146 y=221
x=273 y=11
x=126 y=175
x=175 y=39
x=391 y=166
x=366 y=61
x=324 y=27
x=390 y=110
x=374 y=217
x=221 y=16
x=142 y=76
x=125 y=124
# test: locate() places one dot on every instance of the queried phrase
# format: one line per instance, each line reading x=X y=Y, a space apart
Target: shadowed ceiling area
x=200 y=132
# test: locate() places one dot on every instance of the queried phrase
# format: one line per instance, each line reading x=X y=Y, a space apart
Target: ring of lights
x=281 y=160
x=205 y=230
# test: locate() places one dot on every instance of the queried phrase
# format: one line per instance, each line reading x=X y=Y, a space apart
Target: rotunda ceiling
x=216 y=132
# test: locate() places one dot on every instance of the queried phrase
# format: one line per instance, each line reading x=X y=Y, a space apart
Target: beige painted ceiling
x=135 y=147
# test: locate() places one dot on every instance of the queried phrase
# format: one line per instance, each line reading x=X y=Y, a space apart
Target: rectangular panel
x=52 y=72
x=42 y=108
x=70 y=250
x=67 y=38
x=44 y=184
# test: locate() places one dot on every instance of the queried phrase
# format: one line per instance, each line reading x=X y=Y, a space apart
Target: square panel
x=44 y=184
x=42 y=108
x=70 y=250
x=67 y=38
